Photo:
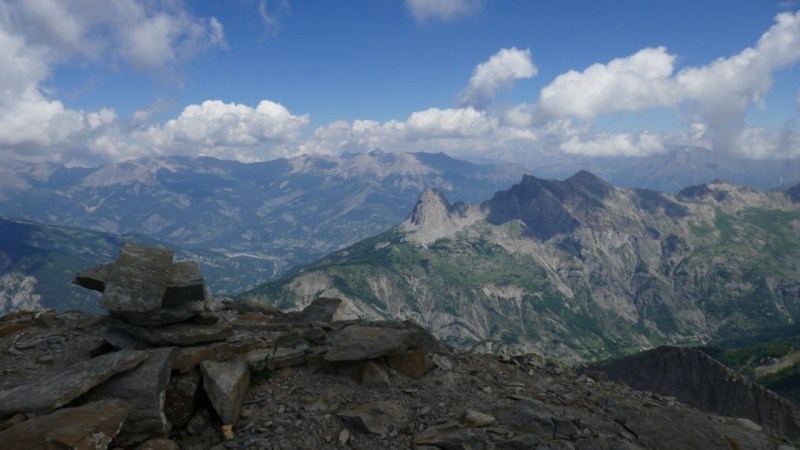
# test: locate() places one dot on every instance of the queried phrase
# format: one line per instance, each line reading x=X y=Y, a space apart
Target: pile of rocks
x=168 y=359
x=171 y=368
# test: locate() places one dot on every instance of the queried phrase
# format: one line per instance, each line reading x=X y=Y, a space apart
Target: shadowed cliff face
x=794 y=193
x=695 y=378
x=543 y=204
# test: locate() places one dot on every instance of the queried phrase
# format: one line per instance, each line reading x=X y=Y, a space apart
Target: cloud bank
x=158 y=38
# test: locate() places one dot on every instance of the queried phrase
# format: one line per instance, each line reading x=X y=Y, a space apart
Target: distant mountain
x=576 y=269
x=681 y=167
x=244 y=223
x=38 y=263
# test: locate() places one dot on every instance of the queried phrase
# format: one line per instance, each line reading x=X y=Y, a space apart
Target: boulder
x=414 y=364
x=138 y=279
x=376 y=417
x=182 y=396
x=146 y=387
x=51 y=390
x=226 y=384
x=88 y=427
x=186 y=359
x=360 y=342
x=474 y=418
x=322 y=309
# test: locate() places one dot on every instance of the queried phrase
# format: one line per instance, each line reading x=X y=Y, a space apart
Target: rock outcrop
x=695 y=378
x=303 y=380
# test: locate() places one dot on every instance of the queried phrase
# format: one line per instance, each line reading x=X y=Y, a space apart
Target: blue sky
x=88 y=81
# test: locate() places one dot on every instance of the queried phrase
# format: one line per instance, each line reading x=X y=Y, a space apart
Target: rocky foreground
x=187 y=371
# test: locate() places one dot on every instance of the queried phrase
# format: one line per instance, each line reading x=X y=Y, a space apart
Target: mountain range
x=244 y=223
x=251 y=223
x=575 y=269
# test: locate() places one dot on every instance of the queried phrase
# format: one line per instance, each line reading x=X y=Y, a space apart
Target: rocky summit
x=243 y=375
x=576 y=269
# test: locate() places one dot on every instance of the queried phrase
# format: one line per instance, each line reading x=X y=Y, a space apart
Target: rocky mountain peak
x=541 y=204
x=432 y=209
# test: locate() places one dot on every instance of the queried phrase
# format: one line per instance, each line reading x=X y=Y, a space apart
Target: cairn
x=144 y=372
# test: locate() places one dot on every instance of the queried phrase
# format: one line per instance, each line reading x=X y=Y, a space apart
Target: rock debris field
x=170 y=367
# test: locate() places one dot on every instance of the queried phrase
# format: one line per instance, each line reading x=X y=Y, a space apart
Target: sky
x=89 y=82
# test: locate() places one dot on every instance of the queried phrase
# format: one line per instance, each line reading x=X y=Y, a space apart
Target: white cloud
x=29 y=121
x=499 y=72
x=36 y=36
x=154 y=36
x=717 y=95
x=721 y=92
x=229 y=131
x=770 y=143
x=637 y=82
x=615 y=144
x=464 y=132
x=423 y=10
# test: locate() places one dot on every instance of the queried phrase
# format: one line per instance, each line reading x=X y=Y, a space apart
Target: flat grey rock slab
x=52 y=390
x=450 y=435
x=186 y=359
x=360 y=342
x=164 y=315
x=138 y=279
x=181 y=334
x=226 y=384
x=88 y=427
x=276 y=358
x=376 y=417
x=146 y=387
x=121 y=340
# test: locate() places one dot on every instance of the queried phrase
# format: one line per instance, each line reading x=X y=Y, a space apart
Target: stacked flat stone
x=145 y=287
x=157 y=306
x=157 y=367
x=155 y=300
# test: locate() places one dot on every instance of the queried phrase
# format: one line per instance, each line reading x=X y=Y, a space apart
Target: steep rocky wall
x=695 y=378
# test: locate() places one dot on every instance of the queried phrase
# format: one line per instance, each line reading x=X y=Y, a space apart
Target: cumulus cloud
x=423 y=10
x=229 y=131
x=145 y=35
x=718 y=94
x=499 y=72
x=721 y=92
x=637 y=82
x=37 y=36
